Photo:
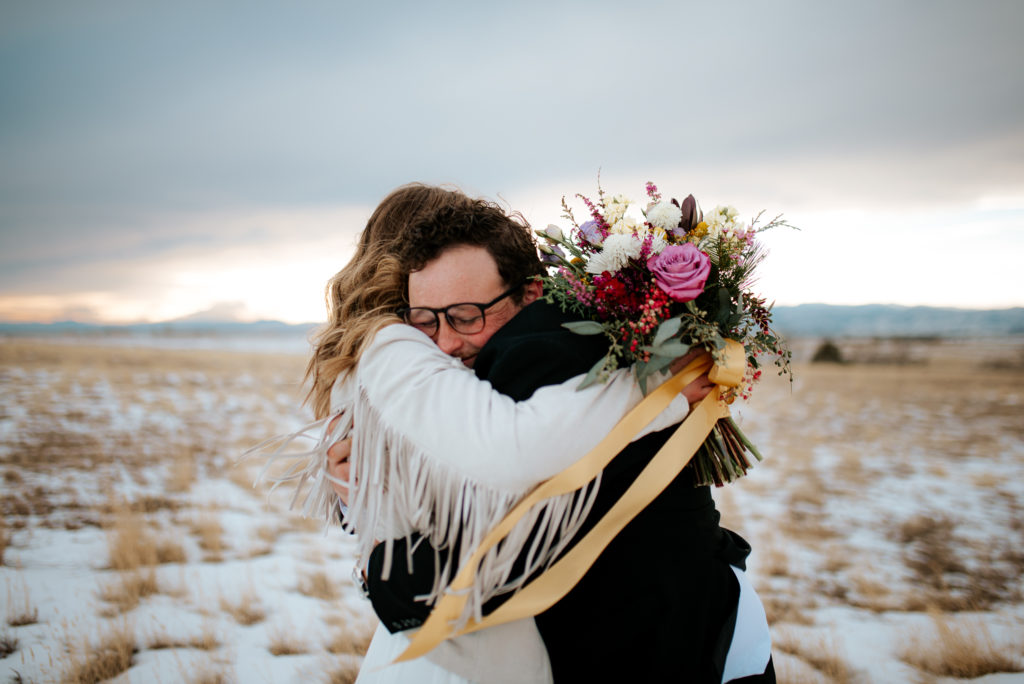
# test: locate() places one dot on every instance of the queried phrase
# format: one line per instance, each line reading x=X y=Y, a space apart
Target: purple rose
x=592 y=233
x=681 y=271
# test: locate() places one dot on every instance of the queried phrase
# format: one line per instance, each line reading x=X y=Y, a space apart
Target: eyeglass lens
x=463 y=318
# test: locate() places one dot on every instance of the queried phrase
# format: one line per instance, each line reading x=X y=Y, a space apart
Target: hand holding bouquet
x=660 y=284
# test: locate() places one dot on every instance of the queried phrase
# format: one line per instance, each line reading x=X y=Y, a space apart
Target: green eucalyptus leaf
x=593 y=374
x=584 y=327
x=642 y=373
x=658 y=363
x=672 y=349
x=667 y=329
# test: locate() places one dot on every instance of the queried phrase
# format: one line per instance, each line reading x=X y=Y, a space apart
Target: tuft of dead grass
x=936 y=556
x=182 y=473
x=127 y=591
x=960 y=647
x=870 y=593
x=4 y=538
x=268 y=534
x=351 y=639
x=929 y=548
x=820 y=652
x=208 y=673
x=284 y=641
x=20 y=611
x=131 y=545
x=112 y=654
x=773 y=561
x=343 y=673
x=211 y=538
x=318 y=585
x=790 y=669
x=206 y=640
x=785 y=608
x=248 y=610
x=8 y=643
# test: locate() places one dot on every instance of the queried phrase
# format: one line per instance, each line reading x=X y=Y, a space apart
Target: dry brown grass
x=319 y=585
x=790 y=669
x=837 y=559
x=871 y=593
x=127 y=591
x=8 y=643
x=284 y=641
x=259 y=551
x=772 y=561
x=211 y=537
x=781 y=608
x=248 y=610
x=351 y=638
x=182 y=473
x=937 y=557
x=23 y=617
x=986 y=480
x=243 y=475
x=820 y=652
x=5 y=538
x=343 y=673
x=109 y=656
x=20 y=611
x=959 y=647
x=207 y=673
x=268 y=533
x=131 y=544
x=204 y=641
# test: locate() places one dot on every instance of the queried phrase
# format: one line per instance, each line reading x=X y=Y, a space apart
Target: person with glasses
x=668 y=599
x=435 y=452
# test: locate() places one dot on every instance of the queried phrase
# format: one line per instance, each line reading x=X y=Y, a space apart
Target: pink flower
x=681 y=271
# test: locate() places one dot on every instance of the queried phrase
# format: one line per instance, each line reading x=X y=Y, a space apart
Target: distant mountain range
x=805 y=320
x=884 y=320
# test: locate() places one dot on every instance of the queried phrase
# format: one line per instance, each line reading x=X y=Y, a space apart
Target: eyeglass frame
x=405 y=310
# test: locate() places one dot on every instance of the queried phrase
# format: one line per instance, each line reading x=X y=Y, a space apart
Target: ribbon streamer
x=555 y=582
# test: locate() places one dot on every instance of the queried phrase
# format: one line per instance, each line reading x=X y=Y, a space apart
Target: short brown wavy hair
x=464 y=220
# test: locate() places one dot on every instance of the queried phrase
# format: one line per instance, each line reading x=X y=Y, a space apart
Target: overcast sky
x=158 y=160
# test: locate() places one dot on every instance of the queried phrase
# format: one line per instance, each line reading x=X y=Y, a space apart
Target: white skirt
x=512 y=653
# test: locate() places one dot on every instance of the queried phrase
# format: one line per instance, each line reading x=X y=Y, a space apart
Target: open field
x=886 y=520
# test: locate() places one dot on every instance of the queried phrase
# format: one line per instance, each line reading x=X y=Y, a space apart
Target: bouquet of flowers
x=660 y=283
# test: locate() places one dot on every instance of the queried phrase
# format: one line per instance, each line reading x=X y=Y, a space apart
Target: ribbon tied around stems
x=555 y=582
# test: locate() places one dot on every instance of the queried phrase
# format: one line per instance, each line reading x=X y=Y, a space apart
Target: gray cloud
x=117 y=115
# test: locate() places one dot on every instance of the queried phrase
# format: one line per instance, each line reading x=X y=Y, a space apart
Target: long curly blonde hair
x=362 y=297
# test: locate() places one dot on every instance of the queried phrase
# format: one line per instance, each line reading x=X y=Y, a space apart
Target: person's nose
x=446 y=338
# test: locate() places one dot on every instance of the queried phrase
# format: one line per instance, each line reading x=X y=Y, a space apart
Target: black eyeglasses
x=466 y=317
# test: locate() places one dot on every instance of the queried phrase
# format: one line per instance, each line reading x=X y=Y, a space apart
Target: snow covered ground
x=886 y=521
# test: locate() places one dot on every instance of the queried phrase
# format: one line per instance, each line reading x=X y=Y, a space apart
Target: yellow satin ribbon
x=555 y=582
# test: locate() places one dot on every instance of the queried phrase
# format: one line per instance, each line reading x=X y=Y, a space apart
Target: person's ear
x=532 y=291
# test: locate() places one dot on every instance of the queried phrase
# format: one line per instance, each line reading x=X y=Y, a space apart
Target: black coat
x=659 y=604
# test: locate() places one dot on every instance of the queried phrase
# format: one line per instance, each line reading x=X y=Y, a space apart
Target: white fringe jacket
x=439 y=452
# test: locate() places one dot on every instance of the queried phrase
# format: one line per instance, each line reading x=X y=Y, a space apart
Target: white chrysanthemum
x=615 y=208
x=617 y=250
x=627 y=225
x=658 y=242
x=664 y=215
